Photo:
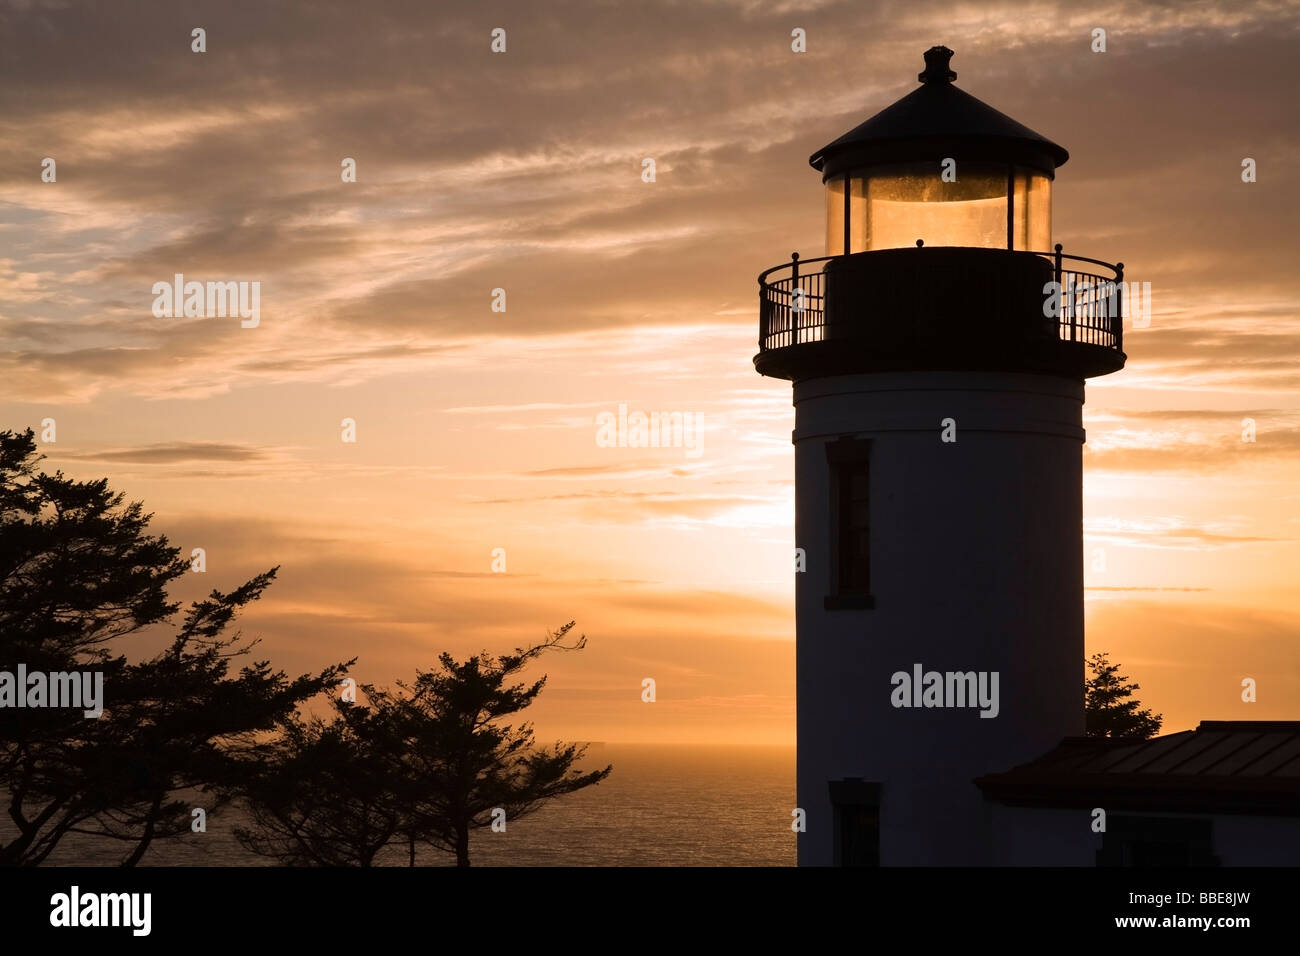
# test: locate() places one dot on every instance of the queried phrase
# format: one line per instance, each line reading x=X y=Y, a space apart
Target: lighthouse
x=938 y=354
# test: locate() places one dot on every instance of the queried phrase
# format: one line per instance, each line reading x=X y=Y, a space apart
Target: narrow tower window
x=849 y=466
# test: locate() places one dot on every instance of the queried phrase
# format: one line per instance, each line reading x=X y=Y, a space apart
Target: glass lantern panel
x=910 y=202
x=835 y=216
x=1035 y=212
x=859 y=221
x=890 y=207
x=1020 y=207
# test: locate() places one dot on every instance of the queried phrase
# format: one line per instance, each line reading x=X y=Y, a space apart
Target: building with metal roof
x=1226 y=793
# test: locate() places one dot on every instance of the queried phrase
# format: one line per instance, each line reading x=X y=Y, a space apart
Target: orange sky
x=476 y=429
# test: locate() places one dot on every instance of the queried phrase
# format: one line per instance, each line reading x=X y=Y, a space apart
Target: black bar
x=848 y=188
x=236 y=905
x=1011 y=207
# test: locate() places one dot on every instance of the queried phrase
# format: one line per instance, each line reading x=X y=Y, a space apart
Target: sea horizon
x=663 y=805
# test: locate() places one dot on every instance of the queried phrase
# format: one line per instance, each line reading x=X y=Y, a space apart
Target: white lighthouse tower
x=938 y=388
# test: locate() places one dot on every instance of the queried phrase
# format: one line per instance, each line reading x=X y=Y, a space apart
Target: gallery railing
x=1086 y=301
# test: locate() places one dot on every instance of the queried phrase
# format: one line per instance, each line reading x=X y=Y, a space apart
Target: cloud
x=1169 y=532
x=173 y=453
x=522 y=171
x=1189 y=440
x=639 y=469
x=1143 y=589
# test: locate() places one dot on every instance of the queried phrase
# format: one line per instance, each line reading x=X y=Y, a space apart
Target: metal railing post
x=1060 y=295
x=794 y=290
x=1119 y=306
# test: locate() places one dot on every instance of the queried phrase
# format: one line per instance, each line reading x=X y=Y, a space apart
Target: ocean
x=662 y=806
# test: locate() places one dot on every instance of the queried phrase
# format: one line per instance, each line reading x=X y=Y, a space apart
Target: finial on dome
x=936 y=66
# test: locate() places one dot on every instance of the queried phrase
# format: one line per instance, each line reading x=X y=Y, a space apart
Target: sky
x=522 y=171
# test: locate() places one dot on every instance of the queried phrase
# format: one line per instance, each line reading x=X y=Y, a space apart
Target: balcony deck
x=941 y=308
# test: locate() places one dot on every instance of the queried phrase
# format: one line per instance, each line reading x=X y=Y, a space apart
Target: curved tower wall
x=976 y=565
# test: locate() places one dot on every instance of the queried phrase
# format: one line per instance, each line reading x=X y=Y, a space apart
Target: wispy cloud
x=173 y=453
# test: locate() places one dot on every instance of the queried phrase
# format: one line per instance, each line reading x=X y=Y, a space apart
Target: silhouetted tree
x=78 y=574
x=464 y=763
x=1108 y=709
x=325 y=796
x=426 y=764
x=184 y=723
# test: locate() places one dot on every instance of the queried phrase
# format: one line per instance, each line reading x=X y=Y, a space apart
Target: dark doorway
x=856 y=806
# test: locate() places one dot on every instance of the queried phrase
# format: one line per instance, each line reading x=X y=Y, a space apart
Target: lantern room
x=939 y=253
x=942 y=168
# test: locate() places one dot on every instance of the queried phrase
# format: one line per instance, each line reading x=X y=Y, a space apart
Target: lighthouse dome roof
x=934 y=121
